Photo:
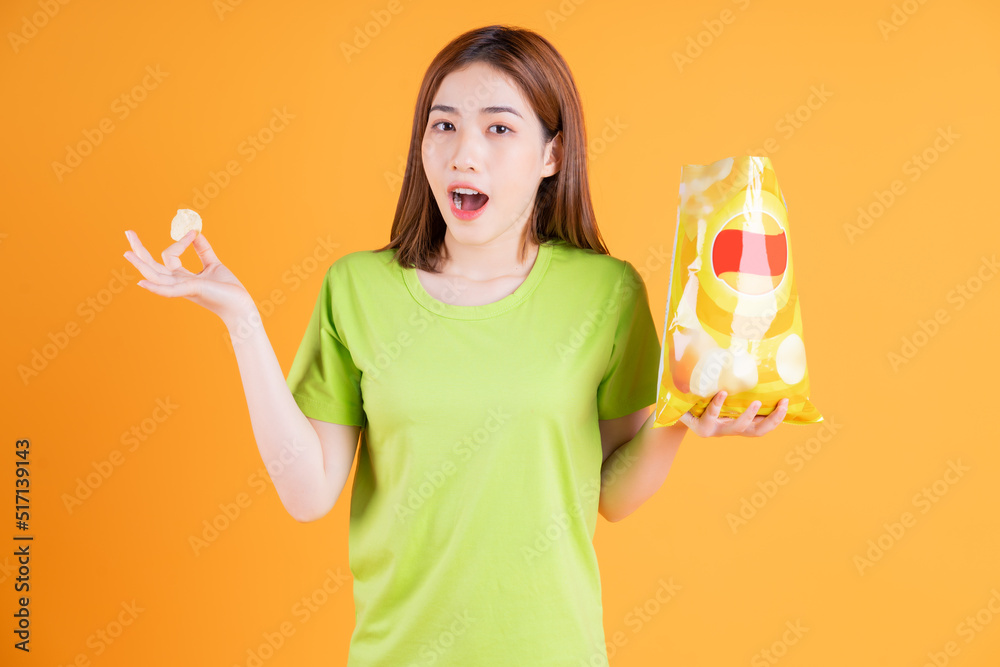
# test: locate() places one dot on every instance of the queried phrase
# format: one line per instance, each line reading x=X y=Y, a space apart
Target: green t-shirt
x=478 y=477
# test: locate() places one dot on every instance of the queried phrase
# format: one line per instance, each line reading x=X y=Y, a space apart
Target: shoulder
x=363 y=265
x=589 y=267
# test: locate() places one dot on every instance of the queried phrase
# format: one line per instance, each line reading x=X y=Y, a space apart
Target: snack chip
x=183 y=222
x=732 y=319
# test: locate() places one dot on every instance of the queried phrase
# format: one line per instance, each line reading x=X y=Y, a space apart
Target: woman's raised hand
x=214 y=287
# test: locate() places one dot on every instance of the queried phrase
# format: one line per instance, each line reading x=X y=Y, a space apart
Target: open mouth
x=467 y=199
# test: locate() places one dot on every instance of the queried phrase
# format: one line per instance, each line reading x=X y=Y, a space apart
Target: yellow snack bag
x=733 y=319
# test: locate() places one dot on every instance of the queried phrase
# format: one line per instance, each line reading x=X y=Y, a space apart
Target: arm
x=637 y=459
x=308 y=460
x=635 y=469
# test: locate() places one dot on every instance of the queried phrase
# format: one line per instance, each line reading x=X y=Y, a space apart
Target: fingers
x=763 y=425
x=695 y=424
x=772 y=420
x=715 y=405
x=149 y=267
x=204 y=250
x=748 y=423
x=142 y=254
x=177 y=288
x=745 y=419
x=150 y=270
x=172 y=255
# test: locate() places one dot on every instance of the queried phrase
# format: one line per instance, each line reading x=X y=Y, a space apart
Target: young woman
x=493 y=358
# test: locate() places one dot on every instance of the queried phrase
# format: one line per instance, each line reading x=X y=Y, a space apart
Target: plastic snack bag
x=732 y=319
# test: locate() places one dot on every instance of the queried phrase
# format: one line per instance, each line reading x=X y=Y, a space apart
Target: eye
x=506 y=129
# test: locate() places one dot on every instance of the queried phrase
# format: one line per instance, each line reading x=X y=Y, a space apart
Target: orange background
x=329 y=175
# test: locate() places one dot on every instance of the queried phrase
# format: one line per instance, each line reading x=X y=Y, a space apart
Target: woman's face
x=482 y=132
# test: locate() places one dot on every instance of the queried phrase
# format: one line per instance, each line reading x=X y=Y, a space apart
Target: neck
x=482 y=263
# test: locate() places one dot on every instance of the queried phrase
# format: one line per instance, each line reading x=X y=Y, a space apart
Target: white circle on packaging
x=791 y=359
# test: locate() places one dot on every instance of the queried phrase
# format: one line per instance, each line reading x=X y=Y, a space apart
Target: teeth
x=462 y=191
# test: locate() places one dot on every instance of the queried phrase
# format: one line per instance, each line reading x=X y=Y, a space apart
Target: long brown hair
x=562 y=207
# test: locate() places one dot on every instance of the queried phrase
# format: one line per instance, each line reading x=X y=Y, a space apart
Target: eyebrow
x=498 y=109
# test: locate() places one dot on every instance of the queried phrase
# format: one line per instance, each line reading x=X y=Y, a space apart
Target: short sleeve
x=629 y=383
x=324 y=381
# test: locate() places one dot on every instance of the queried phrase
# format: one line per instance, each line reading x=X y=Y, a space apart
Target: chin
x=467 y=233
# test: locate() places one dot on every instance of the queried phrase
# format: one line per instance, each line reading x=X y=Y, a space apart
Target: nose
x=467 y=150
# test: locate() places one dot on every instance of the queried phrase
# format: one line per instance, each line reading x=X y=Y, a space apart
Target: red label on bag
x=750 y=262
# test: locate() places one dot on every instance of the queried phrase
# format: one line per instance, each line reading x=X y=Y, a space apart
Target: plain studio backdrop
x=868 y=539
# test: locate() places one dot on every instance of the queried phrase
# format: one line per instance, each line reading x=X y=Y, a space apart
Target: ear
x=553 y=155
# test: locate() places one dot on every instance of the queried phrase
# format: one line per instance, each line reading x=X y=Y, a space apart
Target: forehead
x=476 y=86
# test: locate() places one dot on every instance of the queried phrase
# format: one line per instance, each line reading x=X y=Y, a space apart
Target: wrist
x=242 y=324
x=668 y=435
